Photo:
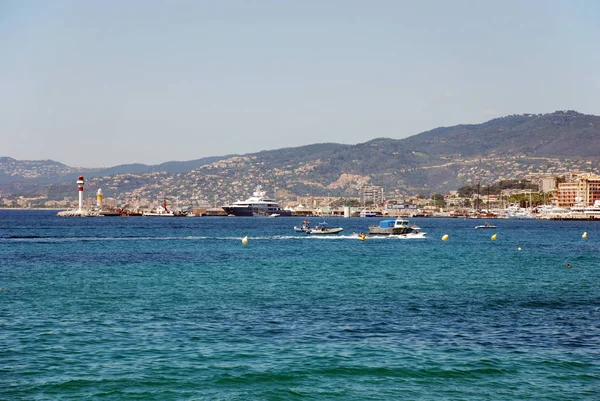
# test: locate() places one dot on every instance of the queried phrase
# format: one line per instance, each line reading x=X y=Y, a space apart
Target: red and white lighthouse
x=80 y=183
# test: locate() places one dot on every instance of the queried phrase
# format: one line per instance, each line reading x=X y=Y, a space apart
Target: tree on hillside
x=438 y=200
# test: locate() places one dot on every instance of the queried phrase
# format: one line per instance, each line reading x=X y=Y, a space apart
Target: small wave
x=25 y=236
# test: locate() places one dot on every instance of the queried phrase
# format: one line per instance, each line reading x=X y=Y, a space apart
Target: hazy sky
x=100 y=83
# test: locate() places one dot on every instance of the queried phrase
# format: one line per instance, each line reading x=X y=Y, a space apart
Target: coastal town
x=569 y=196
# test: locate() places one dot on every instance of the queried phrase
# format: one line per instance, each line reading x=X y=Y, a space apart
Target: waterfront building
x=584 y=189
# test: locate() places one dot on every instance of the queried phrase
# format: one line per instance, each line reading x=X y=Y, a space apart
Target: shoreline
x=29 y=208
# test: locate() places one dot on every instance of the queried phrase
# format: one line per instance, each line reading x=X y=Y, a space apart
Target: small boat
x=367 y=213
x=274 y=215
x=486 y=225
x=323 y=229
x=160 y=211
x=305 y=227
x=414 y=234
x=392 y=227
x=110 y=213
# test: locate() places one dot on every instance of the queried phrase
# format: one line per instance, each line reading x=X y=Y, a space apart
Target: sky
x=102 y=83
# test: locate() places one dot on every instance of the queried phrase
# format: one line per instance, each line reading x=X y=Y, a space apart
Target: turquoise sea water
x=138 y=308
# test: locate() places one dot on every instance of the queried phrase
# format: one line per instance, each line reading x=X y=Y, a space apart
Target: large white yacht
x=591 y=210
x=257 y=205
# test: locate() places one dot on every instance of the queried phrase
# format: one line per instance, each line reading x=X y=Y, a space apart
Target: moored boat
x=160 y=211
x=368 y=213
x=257 y=205
x=588 y=210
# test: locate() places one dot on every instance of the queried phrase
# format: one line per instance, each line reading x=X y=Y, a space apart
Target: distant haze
x=104 y=83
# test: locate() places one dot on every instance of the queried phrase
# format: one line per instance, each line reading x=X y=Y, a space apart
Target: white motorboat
x=367 y=213
x=414 y=234
x=486 y=225
x=324 y=229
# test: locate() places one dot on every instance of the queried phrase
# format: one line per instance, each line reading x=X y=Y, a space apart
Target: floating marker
x=445 y=237
x=519 y=248
x=245 y=240
x=584 y=235
x=494 y=237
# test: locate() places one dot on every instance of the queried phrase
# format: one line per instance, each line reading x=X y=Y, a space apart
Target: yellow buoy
x=494 y=237
x=245 y=240
x=519 y=248
x=445 y=237
x=584 y=235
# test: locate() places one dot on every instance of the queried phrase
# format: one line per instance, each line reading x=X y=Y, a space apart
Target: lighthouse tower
x=80 y=183
x=99 y=199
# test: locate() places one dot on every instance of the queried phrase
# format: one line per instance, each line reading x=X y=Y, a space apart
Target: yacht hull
x=251 y=211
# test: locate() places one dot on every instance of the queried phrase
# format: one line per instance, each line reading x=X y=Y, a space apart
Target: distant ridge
x=562 y=133
x=439 y=160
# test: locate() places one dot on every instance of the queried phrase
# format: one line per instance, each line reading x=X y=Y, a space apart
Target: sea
x=142 y=308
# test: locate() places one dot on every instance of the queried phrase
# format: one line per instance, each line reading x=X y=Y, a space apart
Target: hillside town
x=572 y=195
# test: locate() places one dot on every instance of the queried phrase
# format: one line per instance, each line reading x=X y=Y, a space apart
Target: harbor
x=568 y=204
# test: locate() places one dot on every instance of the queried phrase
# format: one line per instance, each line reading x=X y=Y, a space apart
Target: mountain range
x=438 y=160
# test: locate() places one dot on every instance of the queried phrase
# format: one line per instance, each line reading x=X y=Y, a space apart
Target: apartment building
x=371 y=193
x=584 y=189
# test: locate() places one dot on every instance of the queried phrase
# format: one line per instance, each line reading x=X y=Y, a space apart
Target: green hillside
x=445 y=158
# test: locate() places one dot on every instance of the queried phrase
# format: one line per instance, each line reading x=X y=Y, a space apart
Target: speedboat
x=324 y=229
x=414 y=234
x=486 y=225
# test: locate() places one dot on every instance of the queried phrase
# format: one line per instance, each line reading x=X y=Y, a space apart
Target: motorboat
x=486 y=225
x=324 y=229
x=414 y=233
x=396 y=226
x=367 y=213
x=411 y=235
x=257 y=205
x=305 y=227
